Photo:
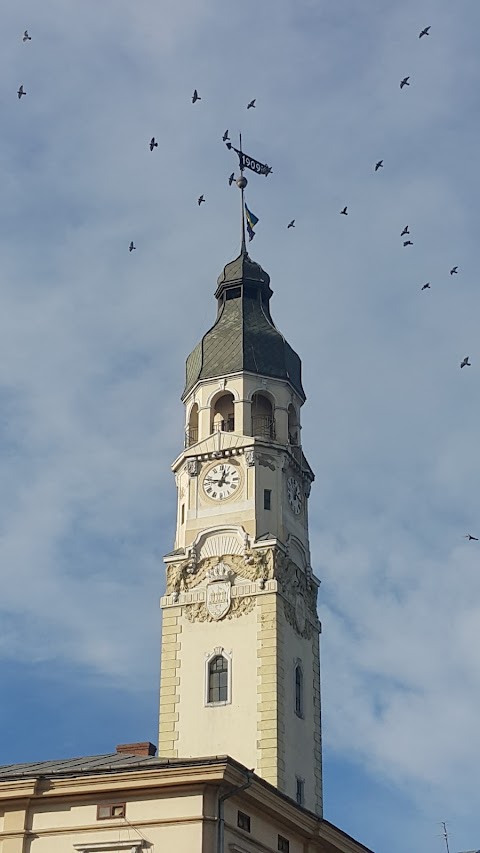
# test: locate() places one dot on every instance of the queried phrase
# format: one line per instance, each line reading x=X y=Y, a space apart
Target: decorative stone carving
x=290 y=615
x=250 y=457
x=259 y=564
x=267 y=461
x=255 y=565
x=193 y=467
x=218 y=596
x=220 y=572
x=307 y=487
x=239 y=607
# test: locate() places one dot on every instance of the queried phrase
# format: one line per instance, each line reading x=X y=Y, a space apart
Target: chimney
x=144 y=749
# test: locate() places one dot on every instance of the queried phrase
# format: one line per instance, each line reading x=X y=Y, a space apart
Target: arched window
x=223 y=416
x=192 y=429
x=298 y=690
x=293 y=429
x=217 y=680
x=263 y=422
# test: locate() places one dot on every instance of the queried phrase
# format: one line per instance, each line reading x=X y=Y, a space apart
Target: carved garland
x=199 y=613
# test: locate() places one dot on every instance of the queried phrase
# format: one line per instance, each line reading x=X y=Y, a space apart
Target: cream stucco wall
x=170 y=808
x=301 y=731
x=231 y=728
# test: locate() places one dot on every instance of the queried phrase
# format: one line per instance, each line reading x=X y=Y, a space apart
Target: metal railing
x=191 y=436
x=263 y=426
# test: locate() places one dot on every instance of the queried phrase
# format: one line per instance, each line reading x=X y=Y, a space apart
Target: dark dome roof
x=244 y=336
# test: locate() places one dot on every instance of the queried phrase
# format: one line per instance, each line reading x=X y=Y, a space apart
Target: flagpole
x=242 y=183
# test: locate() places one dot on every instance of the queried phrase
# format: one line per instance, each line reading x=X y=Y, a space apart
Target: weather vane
x=246 y=162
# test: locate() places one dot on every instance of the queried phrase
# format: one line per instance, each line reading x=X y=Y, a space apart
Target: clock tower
x=240 y=634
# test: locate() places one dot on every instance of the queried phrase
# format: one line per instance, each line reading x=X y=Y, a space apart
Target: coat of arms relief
x=223 y=581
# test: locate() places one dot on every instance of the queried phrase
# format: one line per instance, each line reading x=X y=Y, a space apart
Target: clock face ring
x=294 y=494
x=221 y=481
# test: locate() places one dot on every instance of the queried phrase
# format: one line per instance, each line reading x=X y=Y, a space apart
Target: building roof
x=110 y=763
x=244 y=336
x=120 y=762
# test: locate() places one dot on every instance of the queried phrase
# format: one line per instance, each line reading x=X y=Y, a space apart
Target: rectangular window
x=267 y=498
x=243 y=821
x=298 y=691
x=283 y=844
x=111 y=811
x=300 y=791
x=218 y=680
x=183 y=514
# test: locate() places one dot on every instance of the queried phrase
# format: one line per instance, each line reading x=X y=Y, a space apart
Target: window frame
x=299 y=707
x=300 y=782
x=248 y=821
x=209 y=657
x=111 y=806
x=267 y=499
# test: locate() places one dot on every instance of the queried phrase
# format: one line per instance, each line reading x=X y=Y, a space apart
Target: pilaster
x=271 y=699
x=317 y=749
x=170 y=683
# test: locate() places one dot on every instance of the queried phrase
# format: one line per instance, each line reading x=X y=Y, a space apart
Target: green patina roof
x=244 y=336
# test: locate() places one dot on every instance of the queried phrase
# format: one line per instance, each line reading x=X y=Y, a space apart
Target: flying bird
x=26 y=37
x=200 y=199
x=427 y=285
x=131 y=247
x=405 y=231
x=424 y=32
x=225 y=136
x=195 y=96
x=404 y=82
x=251 y=104
x=471 y=538
x=291 y=224
x=344 y=211
x=21 y=92
x=231 y=179
x=465 y=362
x=153 y=143
x=407 y=243
x=454 y=271
x=379 y=165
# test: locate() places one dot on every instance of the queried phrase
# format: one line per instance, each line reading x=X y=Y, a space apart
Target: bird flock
x=379 y=164
x=405 y=81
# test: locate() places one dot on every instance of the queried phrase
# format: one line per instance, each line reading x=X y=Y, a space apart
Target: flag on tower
x=251 y=222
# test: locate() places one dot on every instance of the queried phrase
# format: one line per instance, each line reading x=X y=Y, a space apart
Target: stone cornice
x=18 y=789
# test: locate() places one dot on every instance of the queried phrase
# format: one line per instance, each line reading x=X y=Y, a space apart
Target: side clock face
x=294 y=494
x=221 y=481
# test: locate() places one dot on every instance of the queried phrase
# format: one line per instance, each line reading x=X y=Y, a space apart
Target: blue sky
x=94 y=339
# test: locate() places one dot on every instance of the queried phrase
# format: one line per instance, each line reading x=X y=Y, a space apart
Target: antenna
x=445 y=834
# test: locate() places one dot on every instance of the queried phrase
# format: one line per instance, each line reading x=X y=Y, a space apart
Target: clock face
x=221 y=481
x=294 y=494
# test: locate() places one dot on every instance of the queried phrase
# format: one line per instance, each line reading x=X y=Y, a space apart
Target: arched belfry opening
x=263 y=419
x=223 y=414
x=192 y=428
x=293 y=426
